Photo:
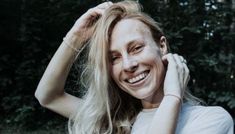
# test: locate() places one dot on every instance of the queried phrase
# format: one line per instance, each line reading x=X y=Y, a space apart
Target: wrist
x=68 y=44
x=175 y=97
x=73 y=40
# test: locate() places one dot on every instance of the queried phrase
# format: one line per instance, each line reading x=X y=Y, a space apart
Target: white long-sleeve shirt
x=191 y=120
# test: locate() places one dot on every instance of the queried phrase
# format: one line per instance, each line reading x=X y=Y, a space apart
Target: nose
x=130 y=64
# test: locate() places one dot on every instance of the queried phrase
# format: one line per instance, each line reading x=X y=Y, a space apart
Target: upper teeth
x=137 y=78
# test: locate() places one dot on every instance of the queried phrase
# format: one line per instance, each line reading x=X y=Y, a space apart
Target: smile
x=137 y=78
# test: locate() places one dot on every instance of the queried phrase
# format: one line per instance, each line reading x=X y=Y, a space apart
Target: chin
x=144 y=94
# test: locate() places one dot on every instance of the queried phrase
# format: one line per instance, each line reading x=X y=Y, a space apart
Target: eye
x=114 y=59
x=137 y=49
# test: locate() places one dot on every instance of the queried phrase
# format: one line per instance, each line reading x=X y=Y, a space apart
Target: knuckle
x=181 y=67
x=90 y=10
x=187 y=71
x=169 y=54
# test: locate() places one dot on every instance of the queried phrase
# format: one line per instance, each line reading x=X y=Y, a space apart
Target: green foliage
x=31 y=31
x=202 y=32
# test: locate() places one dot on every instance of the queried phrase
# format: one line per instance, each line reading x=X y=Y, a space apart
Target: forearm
x=53 y=80
x=165 y=118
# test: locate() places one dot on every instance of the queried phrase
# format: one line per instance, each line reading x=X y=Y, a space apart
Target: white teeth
x=137 y=78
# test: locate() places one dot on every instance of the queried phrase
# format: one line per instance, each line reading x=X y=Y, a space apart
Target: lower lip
x=140 y=83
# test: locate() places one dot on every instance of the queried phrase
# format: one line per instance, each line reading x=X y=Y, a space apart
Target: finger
x=104 y=5
x=178 y=61
x=184 y=63
x=98 y=10
x=180 y=69
x=168 y=58
x=183 y=60
x=94 y=12
x=187 y=77
x=186 y=74
x=91 y=16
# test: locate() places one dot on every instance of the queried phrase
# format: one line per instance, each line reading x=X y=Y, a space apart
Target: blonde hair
x=103 y=110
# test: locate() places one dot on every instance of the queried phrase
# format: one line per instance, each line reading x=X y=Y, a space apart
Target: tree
x=202 y=31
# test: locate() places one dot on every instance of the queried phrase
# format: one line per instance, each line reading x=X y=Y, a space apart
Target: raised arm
x=176 y=80
x=50 y=91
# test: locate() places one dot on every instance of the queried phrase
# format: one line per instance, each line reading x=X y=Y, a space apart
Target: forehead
x=128 y=30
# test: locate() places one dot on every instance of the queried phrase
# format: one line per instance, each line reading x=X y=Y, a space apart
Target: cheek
x=114 y=71
x=152 y=57
x=158 y=66
x=160 y=69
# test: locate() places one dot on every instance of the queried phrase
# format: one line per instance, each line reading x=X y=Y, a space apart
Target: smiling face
x=135 y=59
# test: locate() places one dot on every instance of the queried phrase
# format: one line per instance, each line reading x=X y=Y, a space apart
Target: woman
x=134 y=84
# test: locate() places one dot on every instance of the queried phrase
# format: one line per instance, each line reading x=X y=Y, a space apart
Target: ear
x=163 y=45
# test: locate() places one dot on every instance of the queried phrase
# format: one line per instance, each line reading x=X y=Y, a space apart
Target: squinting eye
x=137 y=49
x=114 y=59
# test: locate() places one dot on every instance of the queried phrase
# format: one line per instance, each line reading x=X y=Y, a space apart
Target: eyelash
x=137 y=49
x=114 y=58
x=134 y=50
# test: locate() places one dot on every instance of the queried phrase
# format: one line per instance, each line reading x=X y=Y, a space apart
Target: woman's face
x=135 y=59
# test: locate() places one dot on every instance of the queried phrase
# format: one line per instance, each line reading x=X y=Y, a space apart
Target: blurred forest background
x=203 y=31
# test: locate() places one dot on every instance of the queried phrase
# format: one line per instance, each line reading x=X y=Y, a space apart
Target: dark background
x=203 y=31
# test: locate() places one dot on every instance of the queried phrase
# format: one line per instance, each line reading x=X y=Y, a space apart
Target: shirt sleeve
x=213 y=120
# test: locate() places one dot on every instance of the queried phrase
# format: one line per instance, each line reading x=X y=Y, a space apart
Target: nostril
x=130 y=65
x=131 y=69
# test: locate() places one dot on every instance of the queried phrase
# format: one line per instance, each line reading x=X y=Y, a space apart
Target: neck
x=154 y=100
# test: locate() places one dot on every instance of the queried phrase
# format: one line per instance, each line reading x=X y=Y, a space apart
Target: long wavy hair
x=106 y=108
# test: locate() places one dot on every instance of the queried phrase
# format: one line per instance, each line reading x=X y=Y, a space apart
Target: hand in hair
x=177 y=75
x=50 y=91
x=84 y=26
